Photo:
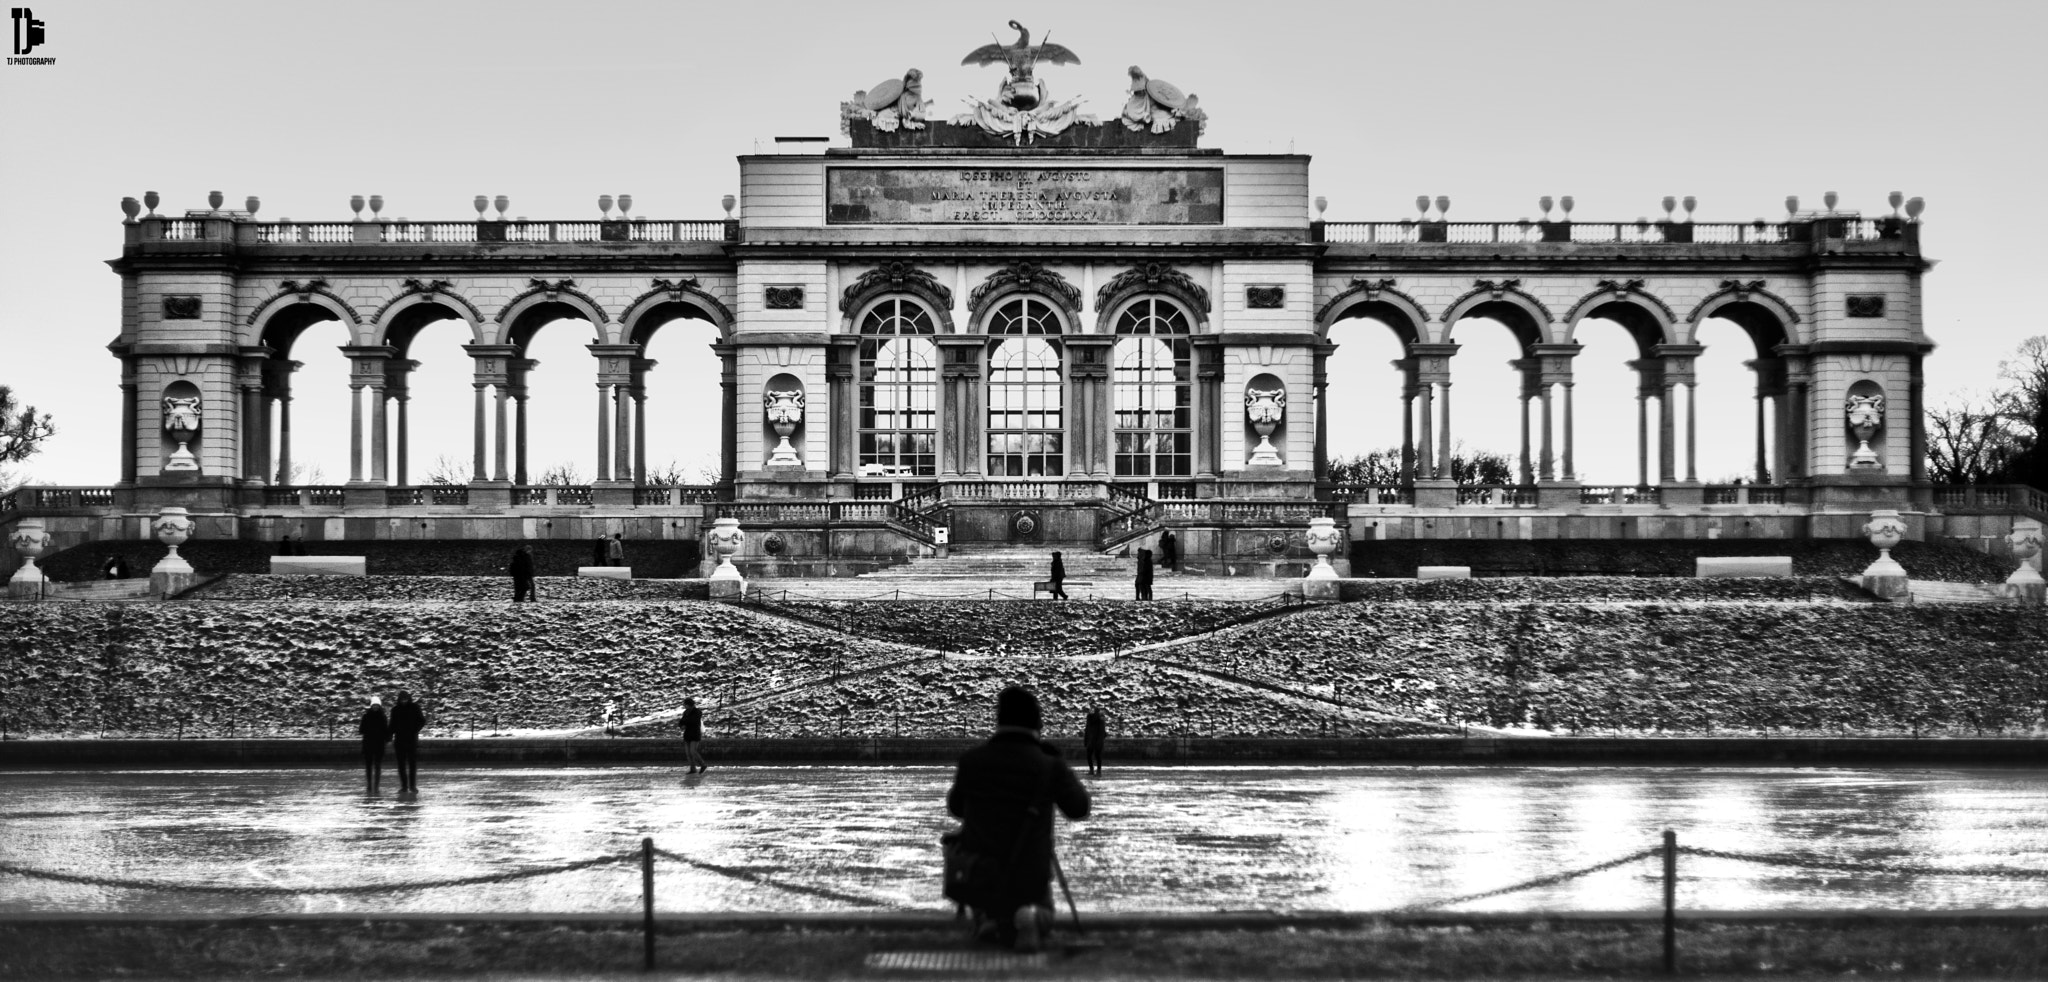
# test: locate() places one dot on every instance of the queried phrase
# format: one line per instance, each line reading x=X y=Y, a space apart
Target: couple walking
x=402 y=730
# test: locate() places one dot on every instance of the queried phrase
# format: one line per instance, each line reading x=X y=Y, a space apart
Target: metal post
x=1670 y=902
x=647 y=897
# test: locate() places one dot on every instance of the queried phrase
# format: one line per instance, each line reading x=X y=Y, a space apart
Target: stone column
x=404 y=431
x=1571 y=473
x=252 y=415
x=502 y=445
x=841 y=392
x=521 y=369
x=1916 y=444
x=479 y=472
x=355 y=433
x=622 y=414
x=961 y=399
x=1667 y=457
x=380 y=455
x=1692 y=432
x=398 y=386
x=1320 y=384
x=1088 y=359
x=1642 y=437
x=493 y=364
x=1525 y=459
x=284 y=438
x=1549 y=470
x=1408 y=394
x=728 y=412
x=1425 y=464
x=1676 y=370
x=129 y=431
x=1444 y=469
x=604 y=432
x=1208 y=352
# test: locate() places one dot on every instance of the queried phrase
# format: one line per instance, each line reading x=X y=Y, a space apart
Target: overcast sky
x=1493 y=104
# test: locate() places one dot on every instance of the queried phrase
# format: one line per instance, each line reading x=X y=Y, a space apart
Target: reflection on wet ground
x=1163 y=838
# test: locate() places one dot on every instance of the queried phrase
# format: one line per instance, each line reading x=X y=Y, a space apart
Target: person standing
x=1003 y=794
x=522 y=574
x=116 y=568
x=1059 y=575
x=615 y=550
x=1094 y=735
x=1169 y=550
x=693 y=734
x=407 y=720
x=284 y=545
x=1144 y=574
x=599 y=551
x=376 y=730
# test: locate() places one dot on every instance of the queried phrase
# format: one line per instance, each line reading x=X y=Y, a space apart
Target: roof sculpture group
x=1023 y=108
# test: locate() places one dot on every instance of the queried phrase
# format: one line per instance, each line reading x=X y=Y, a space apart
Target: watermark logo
x=28 y=34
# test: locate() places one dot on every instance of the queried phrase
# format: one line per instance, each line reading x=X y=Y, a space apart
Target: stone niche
x=179 y=436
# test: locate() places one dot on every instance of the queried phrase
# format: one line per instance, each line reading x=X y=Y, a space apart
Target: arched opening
x=1026 y=391
x=1617 y=395
x=428 y=380
x=897 y=379
x=1368 y=398
x=307 y=389
x=678 y=425
x=548 y=384
x=1742 y=378
x=1494 y=437
x=1152 y=387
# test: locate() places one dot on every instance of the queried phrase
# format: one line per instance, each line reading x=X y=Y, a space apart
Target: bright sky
x=1493 y=104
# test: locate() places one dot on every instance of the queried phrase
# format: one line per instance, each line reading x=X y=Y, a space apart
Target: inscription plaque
x=1024 y=196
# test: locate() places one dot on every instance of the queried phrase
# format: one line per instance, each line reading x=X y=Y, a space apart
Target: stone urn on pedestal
x=785 y=410
x=725 y=539
x=30 y=539
x=2025 y=584
x=1886 y=577
x=1264 y=409
x=1866 y=418
x=172 y=574
x=1323 y=540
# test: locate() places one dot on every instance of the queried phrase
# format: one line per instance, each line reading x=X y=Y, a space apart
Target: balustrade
x=1622 y=494
x=1373 y=494
x=1603 y=233
x=1497 y=495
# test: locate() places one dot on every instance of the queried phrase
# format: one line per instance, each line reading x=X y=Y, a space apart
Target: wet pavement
x=1172 y=838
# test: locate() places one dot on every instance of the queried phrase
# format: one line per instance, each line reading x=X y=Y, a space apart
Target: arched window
x=898 y=390
x=1153 y=392
x=1026 y=428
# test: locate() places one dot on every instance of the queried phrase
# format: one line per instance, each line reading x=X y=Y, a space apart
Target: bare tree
x=563 y=474
x=1968 y=442
x=1468 y=467
x=2022 y=402
x=303 y=474
x=22 y=431
x=702 y=471
x=448 y=469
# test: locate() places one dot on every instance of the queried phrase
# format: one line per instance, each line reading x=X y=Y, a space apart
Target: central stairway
x=1007 y=572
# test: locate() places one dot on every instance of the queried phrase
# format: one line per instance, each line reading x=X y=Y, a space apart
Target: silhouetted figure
x=598 y=551
x=522 y=574
x=1169 y=550
x=376 y=730
x=1144 y=574
x=116 y=568
x=284 y=545
x=610 y=717
x=407 y=720
x=1003 y=793
x=1059 y=575
x=615 y=550
x=1093 y=737
x=693 y=734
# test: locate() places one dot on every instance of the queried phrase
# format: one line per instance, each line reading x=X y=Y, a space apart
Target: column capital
x=615 y=362
x=493 y=362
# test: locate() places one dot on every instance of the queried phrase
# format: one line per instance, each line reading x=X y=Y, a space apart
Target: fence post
x=647 y=897
x=1670 y=902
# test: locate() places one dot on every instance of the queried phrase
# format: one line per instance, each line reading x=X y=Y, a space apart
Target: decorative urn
x=172 y=527
x=30 y=539
x=130 y=208
x=252 y=204
x=604 y=204
x=1885 y=529
x=1264 y=409
x=482 y=204
x=727 y=203
x=214 y=199
x=785 y=409
x=151 y=199
x=181 y=421
x=2026 y=582
x=355 y=204
x=1322 y=540
x=501 y=202
x=725 y=538
x=625 y=205
x=1866 y=418
x=377 y=206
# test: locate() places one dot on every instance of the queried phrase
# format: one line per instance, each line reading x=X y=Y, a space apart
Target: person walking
x=693 y=734
x=600 y=551
x=116 y=568
x=1169 y=550
x=376 y=730
x=1059 y=575
x=1003 y=793
x=407 y=720
x=1093 y=736
x=1144 y=574
x=522 y=574
x=615 y=550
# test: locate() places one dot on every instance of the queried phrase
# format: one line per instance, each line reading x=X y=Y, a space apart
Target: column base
x=1690 y=494
x=495 y=496
x=1558 y=494
x=612 y=494
x=363 y=495
x=1434 y=493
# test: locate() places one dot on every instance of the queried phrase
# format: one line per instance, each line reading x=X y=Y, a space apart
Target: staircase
x=99 y=591
x=1941 y=592
x=1000 y=572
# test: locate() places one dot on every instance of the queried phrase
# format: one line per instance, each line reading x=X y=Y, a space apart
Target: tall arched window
x=1153 y=392
x=1026 y=427
x=898 y=391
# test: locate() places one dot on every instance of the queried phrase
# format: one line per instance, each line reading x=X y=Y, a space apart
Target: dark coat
x=1059 y=570
x=522 y=565
x=375 y=728
x=1169 y=550
x=1003 y=793
x=597 y=556
x=1144 y=567
x=407 y=720
x=693 y=723
x=1096 y=732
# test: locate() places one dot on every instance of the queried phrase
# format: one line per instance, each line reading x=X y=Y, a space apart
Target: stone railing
x=1853 y=229
x=678 y=494
x=1372 y=494
x=427 y=494
x=1745 y=494
x=54 y=498
x=1620 y=494
x=1995 y=498
x=243 y=231
x=305 y=496
x=1497 y=495
x=997 y=490
x=551 y=495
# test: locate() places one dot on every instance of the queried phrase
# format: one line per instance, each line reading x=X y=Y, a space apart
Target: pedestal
x=1314 y=588
x=172 y=576
x=2025 y=586
x=27 y=583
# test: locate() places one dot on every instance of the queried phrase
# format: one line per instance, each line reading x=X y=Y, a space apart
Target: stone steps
x=1941 y=592
x=99 y=591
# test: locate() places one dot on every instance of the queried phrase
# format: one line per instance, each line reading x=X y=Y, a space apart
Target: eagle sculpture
x=1020 y=90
